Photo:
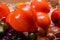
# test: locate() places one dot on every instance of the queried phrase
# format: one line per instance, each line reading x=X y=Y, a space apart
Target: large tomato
x=23 y=19
x=40 y=5
x=4 y=11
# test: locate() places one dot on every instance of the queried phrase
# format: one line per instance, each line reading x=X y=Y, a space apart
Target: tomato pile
x=32 y=18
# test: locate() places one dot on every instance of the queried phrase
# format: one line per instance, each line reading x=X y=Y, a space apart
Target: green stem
x=32 y=36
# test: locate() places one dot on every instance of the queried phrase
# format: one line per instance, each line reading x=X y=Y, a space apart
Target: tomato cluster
x=32 y=17
x=27 y=17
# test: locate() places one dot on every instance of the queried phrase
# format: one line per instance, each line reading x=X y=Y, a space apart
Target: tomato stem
x=32 y=35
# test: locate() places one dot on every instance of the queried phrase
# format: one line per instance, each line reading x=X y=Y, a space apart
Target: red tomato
x=7 y=19
x=4 y=11
x=43 y=20
x=23 y=19
x=55 y=17
x=40 y=5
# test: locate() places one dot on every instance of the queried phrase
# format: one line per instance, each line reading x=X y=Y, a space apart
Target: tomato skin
x=43 y=20
x=23 y=19
x=4 y=11
x=55 y=17
x=40 y=5
x=7 y=18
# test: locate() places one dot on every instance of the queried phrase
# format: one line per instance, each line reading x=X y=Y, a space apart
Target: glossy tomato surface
x=43 y=20
x=40 y=5
x=4 y=11
x=55 y=17
x=23 y=19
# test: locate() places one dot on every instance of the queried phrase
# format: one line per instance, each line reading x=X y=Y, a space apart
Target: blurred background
x=13 y=1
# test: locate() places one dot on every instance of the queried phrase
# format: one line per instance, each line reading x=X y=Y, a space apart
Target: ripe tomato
x=55 y=17
x=43 y=20
x=7 y=18
x=23 y=19
x=4 y=11
x=40 y=5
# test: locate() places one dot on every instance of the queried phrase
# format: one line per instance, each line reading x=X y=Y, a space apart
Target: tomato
x=23 y=19
x=7 y=18
x=43 y=20
x=4 y=11
x=40 y=5
x=55 y=17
